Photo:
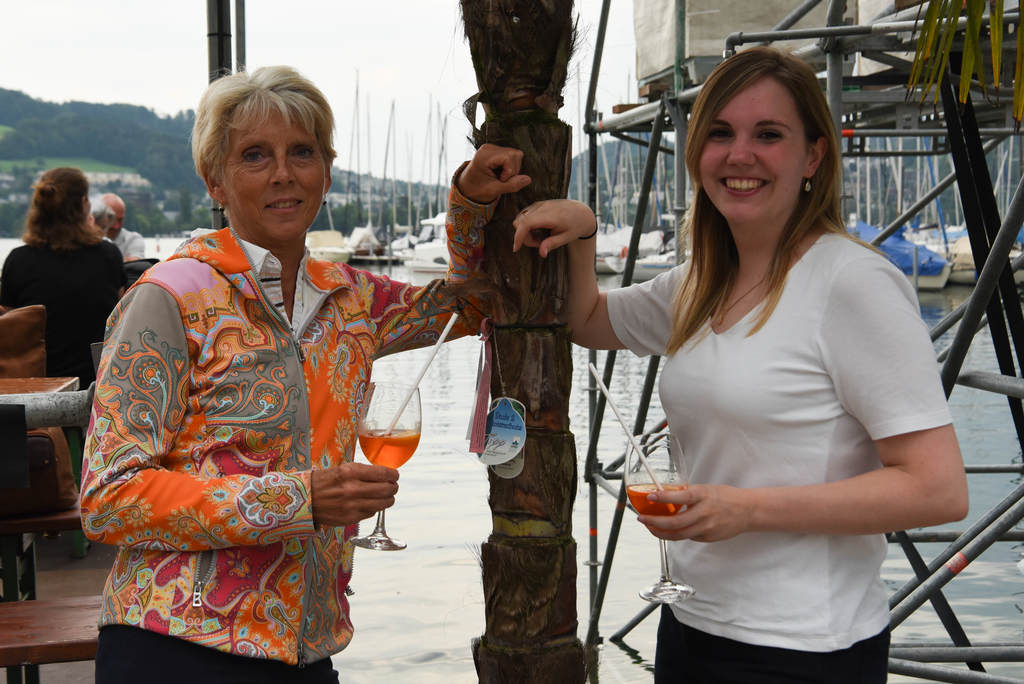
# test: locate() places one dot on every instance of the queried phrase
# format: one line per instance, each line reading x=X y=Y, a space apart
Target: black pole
x=218 y=36
x=645 y=192
x=239 y=35
x=602 y=28
x=592 y=390
x=620 y=506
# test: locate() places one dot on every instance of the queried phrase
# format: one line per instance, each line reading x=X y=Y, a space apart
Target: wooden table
x=17 y=543
x=37 y=385
x=42 y=385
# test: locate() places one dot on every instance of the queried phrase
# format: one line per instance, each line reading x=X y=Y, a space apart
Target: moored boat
x=329 y=245
x=933 y=269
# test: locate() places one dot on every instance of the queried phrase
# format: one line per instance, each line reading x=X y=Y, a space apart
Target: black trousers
x=127 y=655
x=686 y=655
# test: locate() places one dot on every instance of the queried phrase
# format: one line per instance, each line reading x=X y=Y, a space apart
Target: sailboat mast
x=394 y=174
x=369 y=167
x=430 y=156
x=359 y=162
x=384 y=178
x=442 y=129
x=579 y=138
x=408 y=178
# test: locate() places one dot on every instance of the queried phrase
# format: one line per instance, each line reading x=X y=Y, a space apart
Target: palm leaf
x=935 y=42
x=996 y=36
x=946 y=31
x=925 y=44
x=972 y=50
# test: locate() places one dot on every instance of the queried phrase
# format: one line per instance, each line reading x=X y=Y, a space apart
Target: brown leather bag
x=51 y=479
x=23 y=342
x=51 y=482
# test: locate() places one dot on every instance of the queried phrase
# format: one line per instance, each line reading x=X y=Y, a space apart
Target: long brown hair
x=58 y=218
x=715 y=261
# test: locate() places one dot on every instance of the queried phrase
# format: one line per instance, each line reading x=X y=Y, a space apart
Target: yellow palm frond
x=935 y=42
x=995 y=12
x=972 y=50
x=925 y=44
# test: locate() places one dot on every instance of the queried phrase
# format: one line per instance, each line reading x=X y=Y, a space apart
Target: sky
x=411 y=52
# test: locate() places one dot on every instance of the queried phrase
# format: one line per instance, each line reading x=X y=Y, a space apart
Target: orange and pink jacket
x=210 y=415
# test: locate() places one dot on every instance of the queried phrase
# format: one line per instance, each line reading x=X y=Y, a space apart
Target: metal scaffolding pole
x=834 y=62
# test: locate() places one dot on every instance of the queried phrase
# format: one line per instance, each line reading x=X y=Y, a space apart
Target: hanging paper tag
x=506 y=431
x=476 y=396
x=478 y=429
x=510 y=469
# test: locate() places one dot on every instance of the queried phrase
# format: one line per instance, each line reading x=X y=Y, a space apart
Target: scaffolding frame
x=967 y=134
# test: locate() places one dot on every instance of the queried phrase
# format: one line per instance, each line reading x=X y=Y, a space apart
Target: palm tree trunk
x=521 y=51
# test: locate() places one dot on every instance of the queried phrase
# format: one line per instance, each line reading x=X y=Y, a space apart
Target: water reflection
x=416 y=611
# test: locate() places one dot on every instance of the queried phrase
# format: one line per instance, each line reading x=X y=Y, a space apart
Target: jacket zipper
x=302 y=360
x=202 y=577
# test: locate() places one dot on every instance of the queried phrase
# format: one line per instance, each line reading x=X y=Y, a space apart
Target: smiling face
x=756 y=158
x=272 y=184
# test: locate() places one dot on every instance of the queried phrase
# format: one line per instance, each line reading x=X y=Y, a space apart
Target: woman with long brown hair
x=800 y=381
x=67 y=266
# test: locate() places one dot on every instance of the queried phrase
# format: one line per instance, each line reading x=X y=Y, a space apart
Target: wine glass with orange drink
x=389 y=440
x=665 y=458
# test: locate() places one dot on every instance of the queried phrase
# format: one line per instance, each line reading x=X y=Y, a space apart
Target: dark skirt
x=687 y=655
x=130 y=654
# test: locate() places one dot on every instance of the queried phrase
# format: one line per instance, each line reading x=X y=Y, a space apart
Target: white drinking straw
x=423 y=371
x=629 y=433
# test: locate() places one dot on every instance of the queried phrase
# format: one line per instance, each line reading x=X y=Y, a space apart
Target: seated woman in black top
x=67 y=266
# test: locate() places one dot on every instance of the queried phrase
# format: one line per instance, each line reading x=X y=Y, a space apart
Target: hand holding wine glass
x=389 y=431
x=345 y=494
x=665 y=462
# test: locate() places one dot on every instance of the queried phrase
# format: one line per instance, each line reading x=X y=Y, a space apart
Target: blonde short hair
x=248 y=100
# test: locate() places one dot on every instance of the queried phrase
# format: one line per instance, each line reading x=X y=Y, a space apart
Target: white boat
x=962 y=259
x=646 y=267
x=429 y=257
x=329 y=245
x=933 y=283
x=612 y=247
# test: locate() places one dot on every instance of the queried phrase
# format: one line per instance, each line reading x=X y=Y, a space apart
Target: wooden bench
x=43 y=632
x=34 y=633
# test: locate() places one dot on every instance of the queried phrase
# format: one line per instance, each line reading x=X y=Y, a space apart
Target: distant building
x=127 y=180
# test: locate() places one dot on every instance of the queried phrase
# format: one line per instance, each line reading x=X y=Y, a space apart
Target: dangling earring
x=324 y=203
x=807 y=185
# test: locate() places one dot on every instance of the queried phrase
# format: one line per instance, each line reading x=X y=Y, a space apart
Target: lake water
x=417 y=610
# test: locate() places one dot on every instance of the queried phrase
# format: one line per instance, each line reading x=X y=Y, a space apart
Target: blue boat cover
x=901 y=251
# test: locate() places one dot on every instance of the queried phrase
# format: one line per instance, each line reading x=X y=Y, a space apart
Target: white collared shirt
x=267 y=268
x=268 y=271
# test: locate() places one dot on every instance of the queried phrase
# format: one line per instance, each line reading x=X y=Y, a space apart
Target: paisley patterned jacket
x=208 y=419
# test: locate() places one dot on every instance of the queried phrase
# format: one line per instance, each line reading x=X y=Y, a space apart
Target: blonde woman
x=800 y=380
x=220 y=455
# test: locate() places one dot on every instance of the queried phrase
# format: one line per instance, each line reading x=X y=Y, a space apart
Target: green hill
x=83 y=163
x=115 y=137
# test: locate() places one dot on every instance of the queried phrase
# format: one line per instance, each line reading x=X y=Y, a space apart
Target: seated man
x=129 y=242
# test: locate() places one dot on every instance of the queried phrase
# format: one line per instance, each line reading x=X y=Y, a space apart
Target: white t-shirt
x=130 y=243
x=843 y=360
